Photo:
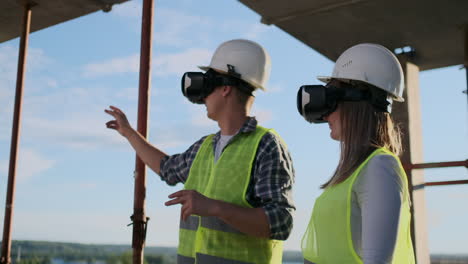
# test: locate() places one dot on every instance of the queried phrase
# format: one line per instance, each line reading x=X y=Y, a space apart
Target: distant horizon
x=175 y=247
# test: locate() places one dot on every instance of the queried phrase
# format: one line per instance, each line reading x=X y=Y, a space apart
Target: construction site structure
x=424 y=34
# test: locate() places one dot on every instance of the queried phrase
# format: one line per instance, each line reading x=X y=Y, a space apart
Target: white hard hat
x=248 y=58
x=370 y=63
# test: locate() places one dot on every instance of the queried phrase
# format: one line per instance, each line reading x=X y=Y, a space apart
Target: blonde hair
x=363 y=129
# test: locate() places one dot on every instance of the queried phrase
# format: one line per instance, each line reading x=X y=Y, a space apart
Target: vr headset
x=196 y=86
x=314 y=102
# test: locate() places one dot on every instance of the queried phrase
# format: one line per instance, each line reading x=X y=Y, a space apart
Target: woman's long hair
x=363 y=129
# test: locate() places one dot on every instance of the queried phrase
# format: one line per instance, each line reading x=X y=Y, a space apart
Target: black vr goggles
x=196 y=86
x=314 y=102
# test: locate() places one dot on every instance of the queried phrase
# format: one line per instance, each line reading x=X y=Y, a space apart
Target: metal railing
x=432 y=165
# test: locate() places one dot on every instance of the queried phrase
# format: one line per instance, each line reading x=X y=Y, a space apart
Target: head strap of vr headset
x=232 y=78
x=357 y=91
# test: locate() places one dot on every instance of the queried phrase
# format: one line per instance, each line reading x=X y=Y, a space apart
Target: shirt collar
x=249 y=126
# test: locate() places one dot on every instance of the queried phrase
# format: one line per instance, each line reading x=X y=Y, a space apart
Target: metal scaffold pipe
x=465 y=64
x=431 y=165
x=139 y=216
x=15 y=134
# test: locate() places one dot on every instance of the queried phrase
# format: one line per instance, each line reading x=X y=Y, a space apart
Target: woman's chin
x=334 y=137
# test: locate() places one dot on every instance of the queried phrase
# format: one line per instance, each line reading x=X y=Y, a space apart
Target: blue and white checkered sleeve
x=274 y=178
x=176 y=168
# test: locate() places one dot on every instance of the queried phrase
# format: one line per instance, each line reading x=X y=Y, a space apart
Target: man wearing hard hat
x=236 y=204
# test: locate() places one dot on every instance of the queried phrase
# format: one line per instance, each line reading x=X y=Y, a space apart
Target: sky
x=75 y=177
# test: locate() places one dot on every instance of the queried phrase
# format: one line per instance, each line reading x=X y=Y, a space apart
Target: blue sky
x=75 y=178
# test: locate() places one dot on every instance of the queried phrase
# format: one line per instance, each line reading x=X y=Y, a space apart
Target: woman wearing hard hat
x=363 y=214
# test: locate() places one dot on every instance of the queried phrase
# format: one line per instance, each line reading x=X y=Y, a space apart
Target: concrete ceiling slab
x=434 y=28
x=45 y=13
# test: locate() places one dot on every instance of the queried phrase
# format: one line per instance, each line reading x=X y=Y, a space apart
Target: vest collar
x=249 y=126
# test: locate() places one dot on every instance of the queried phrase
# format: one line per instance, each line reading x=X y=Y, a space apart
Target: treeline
x=42 y=252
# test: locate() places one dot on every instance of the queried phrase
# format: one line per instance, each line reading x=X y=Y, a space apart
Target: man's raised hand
x=120 y=123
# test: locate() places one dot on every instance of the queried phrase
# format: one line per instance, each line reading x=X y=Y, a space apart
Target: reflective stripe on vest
x=185 y=260
x=215 y=223
x=210 y=222
x=226 y=180
x=328 y=237
x=207 y=259
x=191 y=223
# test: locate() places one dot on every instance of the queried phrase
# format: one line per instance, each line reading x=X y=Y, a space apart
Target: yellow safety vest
x=206 y=240
x=328 y=239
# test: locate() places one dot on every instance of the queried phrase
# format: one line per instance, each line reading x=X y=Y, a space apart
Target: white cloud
x=129 y=64
x=255 y=31
x=130 y=15
x=130 y=93
x=78 y=120
x=79 y=132
x=178 y=63
x=8 y=62
x=82 y=129
x=171 y=26
x=110 y=225
x=275 y=88
x=262 y=115
x=35 y=59
x=8 y=67
x=4 y=166
x=68 y=116
x=130 y=9
x=72 y=226
x=179 y=29
x=170 y=143
x=199 y=117
x=176 y=28
x=51 y=83
x=6 y=109
x=164 y=64
x=30 y=163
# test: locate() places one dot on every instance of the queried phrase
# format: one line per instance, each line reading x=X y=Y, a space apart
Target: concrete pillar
x=408 y=116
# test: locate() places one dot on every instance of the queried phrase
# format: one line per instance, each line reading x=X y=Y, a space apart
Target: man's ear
x=226 y=90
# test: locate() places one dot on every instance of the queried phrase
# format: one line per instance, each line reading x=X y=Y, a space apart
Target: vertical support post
x=408 y=115
x=465 y=62
x=139 y=217
x=15 y=135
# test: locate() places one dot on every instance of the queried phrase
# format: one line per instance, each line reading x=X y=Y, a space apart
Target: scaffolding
x=323 y=40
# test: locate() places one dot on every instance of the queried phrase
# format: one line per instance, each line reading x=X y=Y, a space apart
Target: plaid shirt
x=271 y=183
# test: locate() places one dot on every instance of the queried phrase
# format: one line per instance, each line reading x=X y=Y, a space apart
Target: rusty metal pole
x=15 y=135
x=432 y=165
x=139 y=217
x=465 y=63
